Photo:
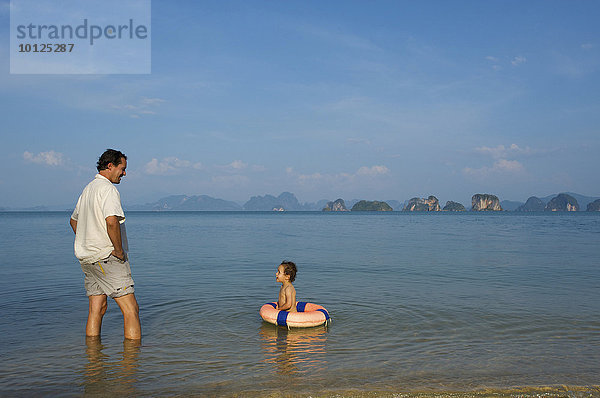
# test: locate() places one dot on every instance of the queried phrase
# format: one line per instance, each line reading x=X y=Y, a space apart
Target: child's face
x=280 y=276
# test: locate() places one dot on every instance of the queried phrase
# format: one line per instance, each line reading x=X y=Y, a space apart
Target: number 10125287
x=46 y=48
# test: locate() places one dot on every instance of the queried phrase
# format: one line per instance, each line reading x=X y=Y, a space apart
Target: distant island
x=562 y=202
x=533 y=204
x=287 y=201
x=365 y=205
x=453 y=206
x=337 y=205
x=485 y=202
x=188 y=203
x=421 y=204
x=594 y=206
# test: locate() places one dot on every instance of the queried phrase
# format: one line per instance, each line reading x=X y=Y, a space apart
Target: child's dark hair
x=289 y=268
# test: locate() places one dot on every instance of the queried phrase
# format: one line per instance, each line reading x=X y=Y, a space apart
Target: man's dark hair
x=110 y=156
x=289 y=268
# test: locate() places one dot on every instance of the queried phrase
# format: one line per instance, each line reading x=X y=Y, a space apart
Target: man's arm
x=73 y=225
x=114 y=233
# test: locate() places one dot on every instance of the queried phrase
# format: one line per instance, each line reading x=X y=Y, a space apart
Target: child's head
x=289 y=269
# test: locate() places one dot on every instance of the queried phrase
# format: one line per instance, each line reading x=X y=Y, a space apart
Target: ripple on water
x=417 y=302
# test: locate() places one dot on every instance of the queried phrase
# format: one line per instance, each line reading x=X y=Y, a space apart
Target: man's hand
x=121 y=256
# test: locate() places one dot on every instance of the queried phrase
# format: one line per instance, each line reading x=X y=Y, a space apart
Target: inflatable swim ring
x=308 y=315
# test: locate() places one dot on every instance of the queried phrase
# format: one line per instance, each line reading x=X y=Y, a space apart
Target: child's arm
x=282 y=304
x=287 y=298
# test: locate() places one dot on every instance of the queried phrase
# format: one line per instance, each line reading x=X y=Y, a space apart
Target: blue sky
x=375 y=100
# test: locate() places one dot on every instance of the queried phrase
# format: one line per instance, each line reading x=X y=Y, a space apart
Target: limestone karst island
x=480 y=202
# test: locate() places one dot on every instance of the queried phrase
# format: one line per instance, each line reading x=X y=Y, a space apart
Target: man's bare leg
x=97 y=309
x=131 y=316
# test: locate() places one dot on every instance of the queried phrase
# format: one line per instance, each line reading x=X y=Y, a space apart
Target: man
x=101 y=244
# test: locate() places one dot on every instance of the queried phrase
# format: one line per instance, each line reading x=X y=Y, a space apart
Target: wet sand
x=524 y=392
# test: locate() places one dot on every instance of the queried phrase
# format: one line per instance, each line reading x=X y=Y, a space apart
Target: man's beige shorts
x=110 y=276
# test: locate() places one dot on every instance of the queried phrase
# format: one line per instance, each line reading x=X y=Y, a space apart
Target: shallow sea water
x=422 y=304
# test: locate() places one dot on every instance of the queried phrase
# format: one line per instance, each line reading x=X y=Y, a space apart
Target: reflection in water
x=294 y=350
x=102 y=376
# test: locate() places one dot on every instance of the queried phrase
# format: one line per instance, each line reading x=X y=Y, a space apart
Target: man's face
x=116 y=172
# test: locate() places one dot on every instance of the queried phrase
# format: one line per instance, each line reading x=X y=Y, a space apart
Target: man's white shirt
x=99 y=200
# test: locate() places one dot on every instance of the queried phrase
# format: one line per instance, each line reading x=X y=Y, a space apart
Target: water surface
x=420 y=302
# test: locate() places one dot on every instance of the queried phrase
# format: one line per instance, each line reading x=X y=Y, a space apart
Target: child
x=286 y=273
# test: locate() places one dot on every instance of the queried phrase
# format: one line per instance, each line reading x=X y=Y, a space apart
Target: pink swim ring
x=307 y=315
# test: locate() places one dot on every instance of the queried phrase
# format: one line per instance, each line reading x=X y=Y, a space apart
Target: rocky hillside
x=337 y=205
x=286 y=201
x=396 y=205
x=582 y=200
x=365 y=205
x=453 y=206
x=510 y=205
x=189 y=203
x=485 y=202
x=422 y=204
x=533 y=204
x=594 y=206
x=562 y=202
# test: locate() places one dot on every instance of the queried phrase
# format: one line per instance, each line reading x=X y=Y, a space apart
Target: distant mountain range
x=286 y=201
x=582 y=200
x=189 y=203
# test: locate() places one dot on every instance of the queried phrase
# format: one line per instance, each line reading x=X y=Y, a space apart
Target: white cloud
x=152 y=101
x=49 y=158
x=503 y=152
x=238 y=165
x=306 y=178
x=511 y=166
x=518 y=60
x=170 y=166
x=233 y=167
x=497 y=62
x=504 y=162
x=338 y=178
x=501 y=166
x=587 y=46
x=372 y=171
x=145 y=106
